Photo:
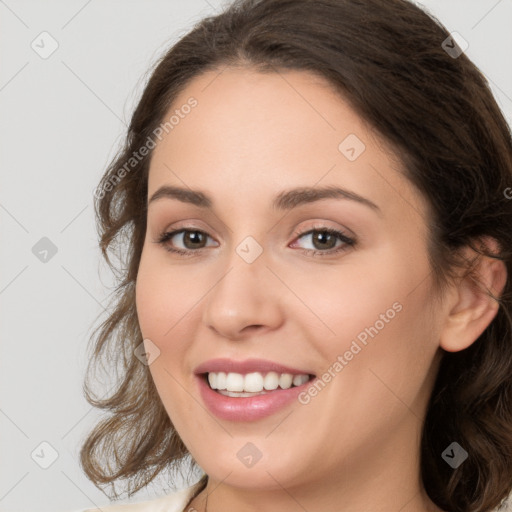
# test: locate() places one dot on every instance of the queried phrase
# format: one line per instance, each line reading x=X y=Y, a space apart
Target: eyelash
x=348 y=242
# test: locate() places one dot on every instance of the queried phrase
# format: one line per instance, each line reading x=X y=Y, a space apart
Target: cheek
x=377 y=314
x=390 y=344
x=163 y=296
x=163 y=319
x=168 y=314
x=384 y=366
x=366 y=292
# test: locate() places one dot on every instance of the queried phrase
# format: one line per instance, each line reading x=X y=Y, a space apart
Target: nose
x=244 y=299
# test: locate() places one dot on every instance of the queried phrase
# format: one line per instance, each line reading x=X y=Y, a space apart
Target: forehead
x=251 y=134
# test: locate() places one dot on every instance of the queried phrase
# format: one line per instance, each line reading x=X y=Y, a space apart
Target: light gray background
x=62 y=120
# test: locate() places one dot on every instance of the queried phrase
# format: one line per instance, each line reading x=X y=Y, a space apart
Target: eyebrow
x=285 y=200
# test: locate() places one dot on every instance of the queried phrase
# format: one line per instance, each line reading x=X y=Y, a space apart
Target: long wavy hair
x=391 y=61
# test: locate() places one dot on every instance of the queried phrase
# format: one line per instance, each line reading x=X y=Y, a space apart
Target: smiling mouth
x=253 y=384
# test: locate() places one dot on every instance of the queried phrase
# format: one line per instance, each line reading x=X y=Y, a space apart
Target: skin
x=354 y=446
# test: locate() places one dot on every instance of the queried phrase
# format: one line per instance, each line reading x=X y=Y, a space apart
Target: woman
x=374 y=373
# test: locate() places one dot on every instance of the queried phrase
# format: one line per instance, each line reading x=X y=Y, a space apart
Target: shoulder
x=174 y=502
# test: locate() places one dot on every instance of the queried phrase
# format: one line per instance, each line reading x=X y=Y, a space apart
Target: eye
x=193 y=239
x=324 y=241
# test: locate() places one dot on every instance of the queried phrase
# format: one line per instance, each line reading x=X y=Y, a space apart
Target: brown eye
x=324 y=241
x=323 y=238
x=192 y=240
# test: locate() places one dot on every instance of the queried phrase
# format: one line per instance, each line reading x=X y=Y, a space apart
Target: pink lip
x=247 y=408
x=247 y=366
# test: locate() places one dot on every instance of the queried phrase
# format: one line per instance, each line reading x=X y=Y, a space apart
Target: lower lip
x=248 y=408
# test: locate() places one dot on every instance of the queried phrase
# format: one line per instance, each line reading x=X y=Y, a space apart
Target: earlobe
x=472 y=310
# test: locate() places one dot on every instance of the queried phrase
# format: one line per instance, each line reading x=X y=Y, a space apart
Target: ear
x=470 y=309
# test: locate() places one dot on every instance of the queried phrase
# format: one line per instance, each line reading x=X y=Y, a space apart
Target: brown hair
x=388 y=60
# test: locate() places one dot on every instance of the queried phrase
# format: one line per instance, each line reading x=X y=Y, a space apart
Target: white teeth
x=298 y=380
x=238 y=395
x=215 y=380
x=271 y=381
x=221 y=380
x=235 y=382
x=254 y=382
x=285 y=380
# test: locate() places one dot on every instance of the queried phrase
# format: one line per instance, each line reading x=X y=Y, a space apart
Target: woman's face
x=358 y=316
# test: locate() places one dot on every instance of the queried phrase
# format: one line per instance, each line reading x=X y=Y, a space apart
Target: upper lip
x=246 y=366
